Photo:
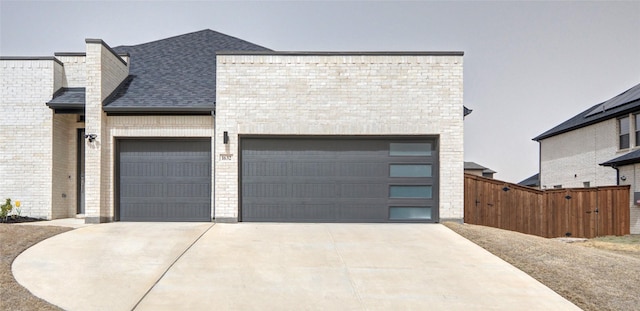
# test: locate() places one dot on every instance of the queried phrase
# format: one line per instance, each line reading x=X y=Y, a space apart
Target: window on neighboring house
x=637 y=126
x=586 y=184
x=557 y=187
x=623 y=127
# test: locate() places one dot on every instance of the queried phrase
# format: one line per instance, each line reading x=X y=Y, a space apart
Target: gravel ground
x=14 y=239
x=594 y=275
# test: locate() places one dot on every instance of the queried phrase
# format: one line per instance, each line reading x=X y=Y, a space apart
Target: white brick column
x=93 y=125
x=105 y=71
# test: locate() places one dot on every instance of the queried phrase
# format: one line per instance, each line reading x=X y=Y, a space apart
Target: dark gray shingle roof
x=619 y=105
x=629 y=158
x=533 y=181
x=176 y=74
x=68 y=98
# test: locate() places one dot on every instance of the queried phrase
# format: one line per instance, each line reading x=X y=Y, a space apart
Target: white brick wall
x=341 y=95
x=25 y=133
x=572 y=158
x=62 y=173
x=75 y=72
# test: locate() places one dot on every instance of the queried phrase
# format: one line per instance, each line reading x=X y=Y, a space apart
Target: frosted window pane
x=409 y=212
x=410 y=149
x=410 y=170
x=422 y=192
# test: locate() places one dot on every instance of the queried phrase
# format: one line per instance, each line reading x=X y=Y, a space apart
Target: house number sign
x=226 y=156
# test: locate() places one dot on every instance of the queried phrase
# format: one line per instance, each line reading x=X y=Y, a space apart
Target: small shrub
x=5 y=209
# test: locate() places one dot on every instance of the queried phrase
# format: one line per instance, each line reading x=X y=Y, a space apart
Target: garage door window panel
x=411 y=191
x=410 y=170
x=409 y=213
x=410 y=149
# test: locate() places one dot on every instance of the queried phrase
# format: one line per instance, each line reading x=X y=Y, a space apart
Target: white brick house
x=181 y=129
x=598 y=147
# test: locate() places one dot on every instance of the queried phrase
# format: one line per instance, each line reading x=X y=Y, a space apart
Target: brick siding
x=572 y=158
x=25 y=133
x=340 y=95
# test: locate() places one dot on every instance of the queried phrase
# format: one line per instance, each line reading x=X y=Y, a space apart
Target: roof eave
x=158 y=110
x=549 y=134
x=344 y=53
x=615 y=164
x=65 y=106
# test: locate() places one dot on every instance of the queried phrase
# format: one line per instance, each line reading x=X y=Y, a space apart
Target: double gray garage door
x=164 y=180
x=288 y=179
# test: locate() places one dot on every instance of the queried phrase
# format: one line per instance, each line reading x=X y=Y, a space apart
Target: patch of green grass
x=627 y=239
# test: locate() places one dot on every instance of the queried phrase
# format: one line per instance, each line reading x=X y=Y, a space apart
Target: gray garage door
x=339 y=180
x=164 y=180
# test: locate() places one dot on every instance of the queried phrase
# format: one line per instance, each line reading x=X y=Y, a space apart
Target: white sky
x=528 y=66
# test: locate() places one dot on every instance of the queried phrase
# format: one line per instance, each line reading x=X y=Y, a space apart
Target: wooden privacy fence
x=575 y=212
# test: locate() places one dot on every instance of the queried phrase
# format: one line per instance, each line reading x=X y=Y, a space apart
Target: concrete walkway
x=252 y=266
x=64 y=222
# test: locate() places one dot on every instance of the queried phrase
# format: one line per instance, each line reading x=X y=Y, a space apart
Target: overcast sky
x=528 y=66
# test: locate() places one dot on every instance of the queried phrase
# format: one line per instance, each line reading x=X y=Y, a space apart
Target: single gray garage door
x=290 y=179
x=164 y=180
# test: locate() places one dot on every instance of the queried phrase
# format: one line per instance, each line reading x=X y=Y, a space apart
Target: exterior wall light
x=91 y=137
x=623 y=178
x=225 y=137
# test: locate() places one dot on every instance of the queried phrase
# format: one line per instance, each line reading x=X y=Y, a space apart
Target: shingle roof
x=621 y=104
x=176 y=74
x=476 y=166
x=533 y=181
x=473 y=166
x=68 y=99
x=629 y=158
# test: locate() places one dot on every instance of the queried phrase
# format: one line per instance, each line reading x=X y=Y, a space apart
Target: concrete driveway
x=255 y=266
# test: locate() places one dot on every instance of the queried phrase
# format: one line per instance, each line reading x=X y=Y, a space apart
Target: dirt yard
x=600 y=274
x=14 y=239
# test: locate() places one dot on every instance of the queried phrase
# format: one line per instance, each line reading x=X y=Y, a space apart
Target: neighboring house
x=478 y=170
x=582 y=151
x=533 y=181
x=205 y=126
